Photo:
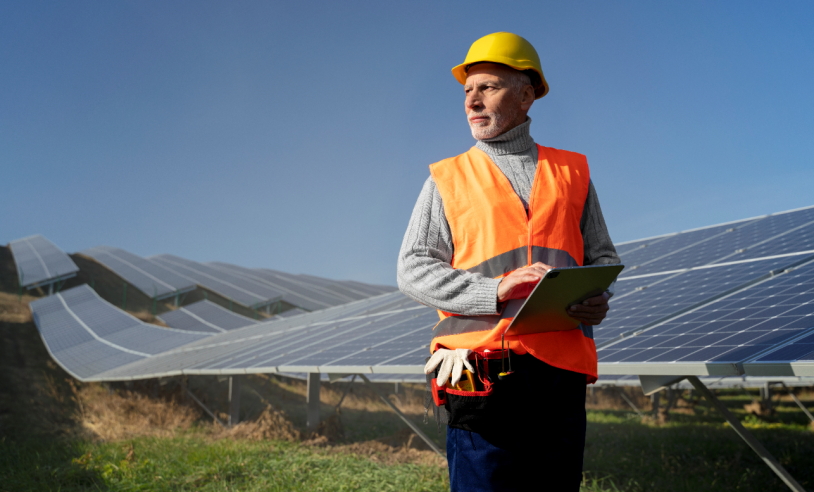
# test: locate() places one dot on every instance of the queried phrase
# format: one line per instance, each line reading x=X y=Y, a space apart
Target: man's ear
x=527 y=98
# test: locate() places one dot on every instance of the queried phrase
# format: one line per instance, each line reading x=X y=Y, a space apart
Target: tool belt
x=474 y=410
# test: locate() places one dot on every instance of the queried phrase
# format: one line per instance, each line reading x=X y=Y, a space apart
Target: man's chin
x=484 y=133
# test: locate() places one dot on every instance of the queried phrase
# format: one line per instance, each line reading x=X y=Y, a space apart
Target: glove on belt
x=452 y=362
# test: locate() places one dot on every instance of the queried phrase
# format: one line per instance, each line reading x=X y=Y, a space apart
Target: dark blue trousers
x=537 y=445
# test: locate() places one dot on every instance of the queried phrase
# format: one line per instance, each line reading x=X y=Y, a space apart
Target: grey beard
x=498 y=123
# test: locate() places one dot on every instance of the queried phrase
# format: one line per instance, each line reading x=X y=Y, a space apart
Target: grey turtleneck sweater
x=424 y=270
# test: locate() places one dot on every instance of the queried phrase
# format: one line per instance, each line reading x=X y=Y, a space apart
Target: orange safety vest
x=493 y=235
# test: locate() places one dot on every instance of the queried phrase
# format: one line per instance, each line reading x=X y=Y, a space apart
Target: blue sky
x=297 y=135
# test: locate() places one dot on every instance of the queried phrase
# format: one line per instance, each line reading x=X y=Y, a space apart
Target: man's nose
x=473 y=100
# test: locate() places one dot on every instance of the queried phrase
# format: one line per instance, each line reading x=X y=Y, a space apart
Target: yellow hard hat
x=507 y=49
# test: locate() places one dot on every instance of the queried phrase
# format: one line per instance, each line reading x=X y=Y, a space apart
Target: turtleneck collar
x=513 y=141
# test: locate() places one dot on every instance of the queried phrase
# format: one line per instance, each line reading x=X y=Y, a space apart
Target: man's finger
x=594 y=301
x=578 y=308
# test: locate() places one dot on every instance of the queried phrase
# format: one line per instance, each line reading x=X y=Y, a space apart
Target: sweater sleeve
x=424 y=270
x=597 y=245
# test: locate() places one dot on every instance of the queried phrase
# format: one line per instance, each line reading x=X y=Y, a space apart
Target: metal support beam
x=747 y=436
x=799 y=403
x=345 y=393
x=403 y=417
x=312 y=414
x=630 y=402
x=234 y=399
x=205 y=409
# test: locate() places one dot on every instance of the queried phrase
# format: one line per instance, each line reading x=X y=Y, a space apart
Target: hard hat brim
x=459 y=72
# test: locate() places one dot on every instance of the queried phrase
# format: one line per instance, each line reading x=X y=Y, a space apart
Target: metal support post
x=268 y=309
x=767 y=395
x=51 y=289
x=234 y=400
x=656 y=399
x=124 y=297
x=747 y=436
x=396 y=389
x=312 y=413
x=403 y=417
x=177 y=297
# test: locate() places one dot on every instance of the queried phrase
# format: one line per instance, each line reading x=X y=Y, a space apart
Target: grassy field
x=58 y=434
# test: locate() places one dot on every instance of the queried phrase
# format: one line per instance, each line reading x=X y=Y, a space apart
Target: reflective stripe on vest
x=494 y=235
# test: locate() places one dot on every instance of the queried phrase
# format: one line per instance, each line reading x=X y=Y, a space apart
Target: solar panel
x=718 y=337
x=88 y=336
x=151 y=278
x=672 y=245
x=241 y=290
x=290 y=313
x=642 y=302
x=777 y=234
x=205 y=316
x=39 y=261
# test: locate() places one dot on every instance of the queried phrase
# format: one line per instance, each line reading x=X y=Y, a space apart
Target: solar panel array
x=306 y=291
x=668 y=275
x=739 y=290
x=153 y=279
x=163 y=276
x=39 y=261
x=88 y=336
x=206 y=317
x=706 y=302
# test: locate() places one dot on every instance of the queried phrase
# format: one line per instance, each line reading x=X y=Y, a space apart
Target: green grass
x=194 y=463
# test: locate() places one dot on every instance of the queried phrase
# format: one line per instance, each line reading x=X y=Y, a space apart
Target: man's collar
x=513 y=141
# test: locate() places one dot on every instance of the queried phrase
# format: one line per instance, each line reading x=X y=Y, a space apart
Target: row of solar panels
x=387 y=334
x=167 y=275
x=720 y=318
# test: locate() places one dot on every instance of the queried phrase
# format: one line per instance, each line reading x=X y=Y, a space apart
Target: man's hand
x=592 y=311
x=520 y=283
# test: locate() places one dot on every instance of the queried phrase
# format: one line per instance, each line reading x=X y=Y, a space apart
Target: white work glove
x=452 y=361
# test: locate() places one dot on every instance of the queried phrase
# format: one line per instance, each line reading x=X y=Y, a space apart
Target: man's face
x=492 y=105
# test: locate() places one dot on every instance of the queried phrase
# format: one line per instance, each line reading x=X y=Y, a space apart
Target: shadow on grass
x=40 y=463
x=697 y=457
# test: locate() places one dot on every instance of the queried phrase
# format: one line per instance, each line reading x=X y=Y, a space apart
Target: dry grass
x=118 y=415
x=14 y=309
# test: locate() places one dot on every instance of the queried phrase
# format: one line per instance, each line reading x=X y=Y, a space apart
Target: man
x=487 y=226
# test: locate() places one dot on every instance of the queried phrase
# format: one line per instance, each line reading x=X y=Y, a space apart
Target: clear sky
x=297 y=135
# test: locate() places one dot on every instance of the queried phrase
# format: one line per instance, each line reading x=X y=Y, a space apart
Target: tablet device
x=546 y=308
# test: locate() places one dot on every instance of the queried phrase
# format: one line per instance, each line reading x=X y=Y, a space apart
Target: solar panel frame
x=40 y=262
